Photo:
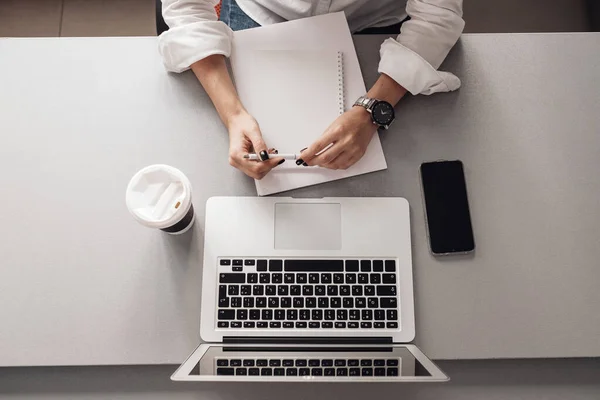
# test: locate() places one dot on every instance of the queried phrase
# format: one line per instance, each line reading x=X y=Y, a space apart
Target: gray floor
x=27 y=18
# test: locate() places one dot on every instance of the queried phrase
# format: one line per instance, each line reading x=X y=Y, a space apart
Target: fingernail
x=263 y=155
x=305 y=164
x=303 y=149
x=280 y=162
x=276 y=151
x=299 y=161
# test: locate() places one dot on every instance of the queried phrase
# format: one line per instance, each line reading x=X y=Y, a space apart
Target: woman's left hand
x=349 y=134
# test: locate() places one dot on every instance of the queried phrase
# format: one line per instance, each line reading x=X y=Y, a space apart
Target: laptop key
x=304 y=371
x=300 y=325
x=332 y=290
x=225 y=371
x=327 y=363
x=276 y=265
x=354 y=372
x=317 y=371
x=392 y=371
x=360 y=302
x=340 y=363
x=279 y=315
x=267 y=314
x=295 y=290
x=378 y=325
x=307 y=290
x=274 y=324
x=288 y=278
x=377 y=266
x=301 y=363
x=262 y=324
x=389 y=278
x=222 y=291
x=279 y=371
x=288 y=324
x=345 y=290
x=301 y=278
x=386 y=290
x=291 y=372
x=379 y=363
x=222 y=363
x=320 y=290
x=351 y=265
x=323 y=302
x=261 y=265
x=237 y=269
x=357 y=290
x=348 y=302
x=340 y=325
x=304 y=315
x=375 y=278
x=233 y=290
x=288 y=363
x=379 y=371
x=392 y=325
x=249 y=262
x=223 y=324
x=273 y=302
x=274 y=363
x=261 y=363
x=258 y=290
x=342 y=315
x=226 y=314
x=266 y=372
x=270 y=290
x=237 y=262
x=316 y=315
x=223 y=303
x=336 y=302
x=314 y=265
x=392 y=362
x=314 y=363
x=327 y=325
x=353 y=363
x=342 y=372
x=329 y=371
x=264 y=278
x=388 y=302
x=311 y=302
x=373 y=302
x=249 y=324
x=242 y=314
x=326 y=278
x=292 y=315
x=254 y=371
x=392 y=315
x=338 y=278
x=313 y=278
x=225 y=262
x=236 y=324
x=248 y=363
x=236 y=302
x=252 y=277
x=248 y=302
x=366 y=325
x=379 y=315
x=390 y=265
x=363 y=278
x=330 y=315
x=232 y=278
x=350 y=278
x=314 y=325
x=246 y=290
x=354 y=315
x=261 y=302
x=298 y=302
x=367 y=372
x=235 y=363
x=366 y=363
x=277 y=278
x=353 y=325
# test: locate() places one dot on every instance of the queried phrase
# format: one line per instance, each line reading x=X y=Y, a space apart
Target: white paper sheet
x=276 y=92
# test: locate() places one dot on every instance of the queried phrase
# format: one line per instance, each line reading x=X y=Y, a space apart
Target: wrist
x=387 y=89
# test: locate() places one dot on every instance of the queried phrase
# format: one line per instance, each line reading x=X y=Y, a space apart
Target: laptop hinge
x=327 y=340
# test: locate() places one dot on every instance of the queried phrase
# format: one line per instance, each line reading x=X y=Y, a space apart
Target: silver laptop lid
x=308 y=363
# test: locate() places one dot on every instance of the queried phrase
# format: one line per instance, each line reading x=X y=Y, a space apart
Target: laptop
x=298 y=290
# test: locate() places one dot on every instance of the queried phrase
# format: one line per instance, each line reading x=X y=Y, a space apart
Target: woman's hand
x=245 y=138
x=350 y=134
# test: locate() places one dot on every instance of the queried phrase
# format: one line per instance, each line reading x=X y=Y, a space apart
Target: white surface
x=159 y=196
x=371 y=227
x=293 y=92
x=92 y=286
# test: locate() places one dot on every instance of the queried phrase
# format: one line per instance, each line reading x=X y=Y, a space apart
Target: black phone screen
x=447 y=207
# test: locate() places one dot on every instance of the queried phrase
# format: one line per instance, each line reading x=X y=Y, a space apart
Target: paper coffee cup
x=160 y=196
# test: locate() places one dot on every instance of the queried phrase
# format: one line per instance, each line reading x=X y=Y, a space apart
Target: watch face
x=383 y=113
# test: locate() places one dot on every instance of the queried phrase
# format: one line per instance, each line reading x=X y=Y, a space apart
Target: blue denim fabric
x=234 y=17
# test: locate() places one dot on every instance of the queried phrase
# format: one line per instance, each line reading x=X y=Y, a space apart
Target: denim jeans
x=234 y=17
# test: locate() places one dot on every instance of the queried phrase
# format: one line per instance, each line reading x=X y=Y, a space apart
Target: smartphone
x=447 y=208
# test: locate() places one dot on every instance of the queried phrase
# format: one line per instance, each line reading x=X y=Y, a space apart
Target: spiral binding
x=341 y=96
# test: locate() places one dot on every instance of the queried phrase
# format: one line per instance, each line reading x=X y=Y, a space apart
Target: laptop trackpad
x=306 y=226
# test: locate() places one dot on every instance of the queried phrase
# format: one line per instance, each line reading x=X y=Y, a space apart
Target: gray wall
x=478 y=380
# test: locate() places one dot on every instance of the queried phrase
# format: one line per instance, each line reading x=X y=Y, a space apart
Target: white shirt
x=412 y=59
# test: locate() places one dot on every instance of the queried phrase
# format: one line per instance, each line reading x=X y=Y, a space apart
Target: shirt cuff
x=411 y=70
x=182 y=46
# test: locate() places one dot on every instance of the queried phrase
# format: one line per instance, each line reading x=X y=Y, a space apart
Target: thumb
x=259 y=145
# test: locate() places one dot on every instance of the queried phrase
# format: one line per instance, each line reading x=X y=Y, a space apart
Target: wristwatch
x=382 y=112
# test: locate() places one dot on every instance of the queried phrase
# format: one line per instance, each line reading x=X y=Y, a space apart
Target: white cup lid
x=159 y=196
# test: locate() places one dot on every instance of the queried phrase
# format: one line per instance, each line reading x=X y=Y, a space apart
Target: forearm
x=213 y=75
x=387 y=89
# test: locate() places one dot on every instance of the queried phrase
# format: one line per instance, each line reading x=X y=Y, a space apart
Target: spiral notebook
x=296 y=93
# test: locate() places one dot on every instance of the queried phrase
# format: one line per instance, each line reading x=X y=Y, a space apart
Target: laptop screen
x=318 y=361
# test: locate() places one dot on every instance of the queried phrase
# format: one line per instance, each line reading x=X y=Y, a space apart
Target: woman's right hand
x=245 y=138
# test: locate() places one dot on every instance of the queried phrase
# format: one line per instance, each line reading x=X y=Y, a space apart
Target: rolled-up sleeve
x=194 y=33
x=424 y=42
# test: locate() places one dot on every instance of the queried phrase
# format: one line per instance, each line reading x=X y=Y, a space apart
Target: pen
x=284 y=156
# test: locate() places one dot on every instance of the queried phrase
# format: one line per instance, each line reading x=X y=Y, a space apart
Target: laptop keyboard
x=307 y=294
x=308 y=366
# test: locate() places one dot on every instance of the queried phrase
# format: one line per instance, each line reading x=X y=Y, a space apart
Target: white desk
x=81 y=283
